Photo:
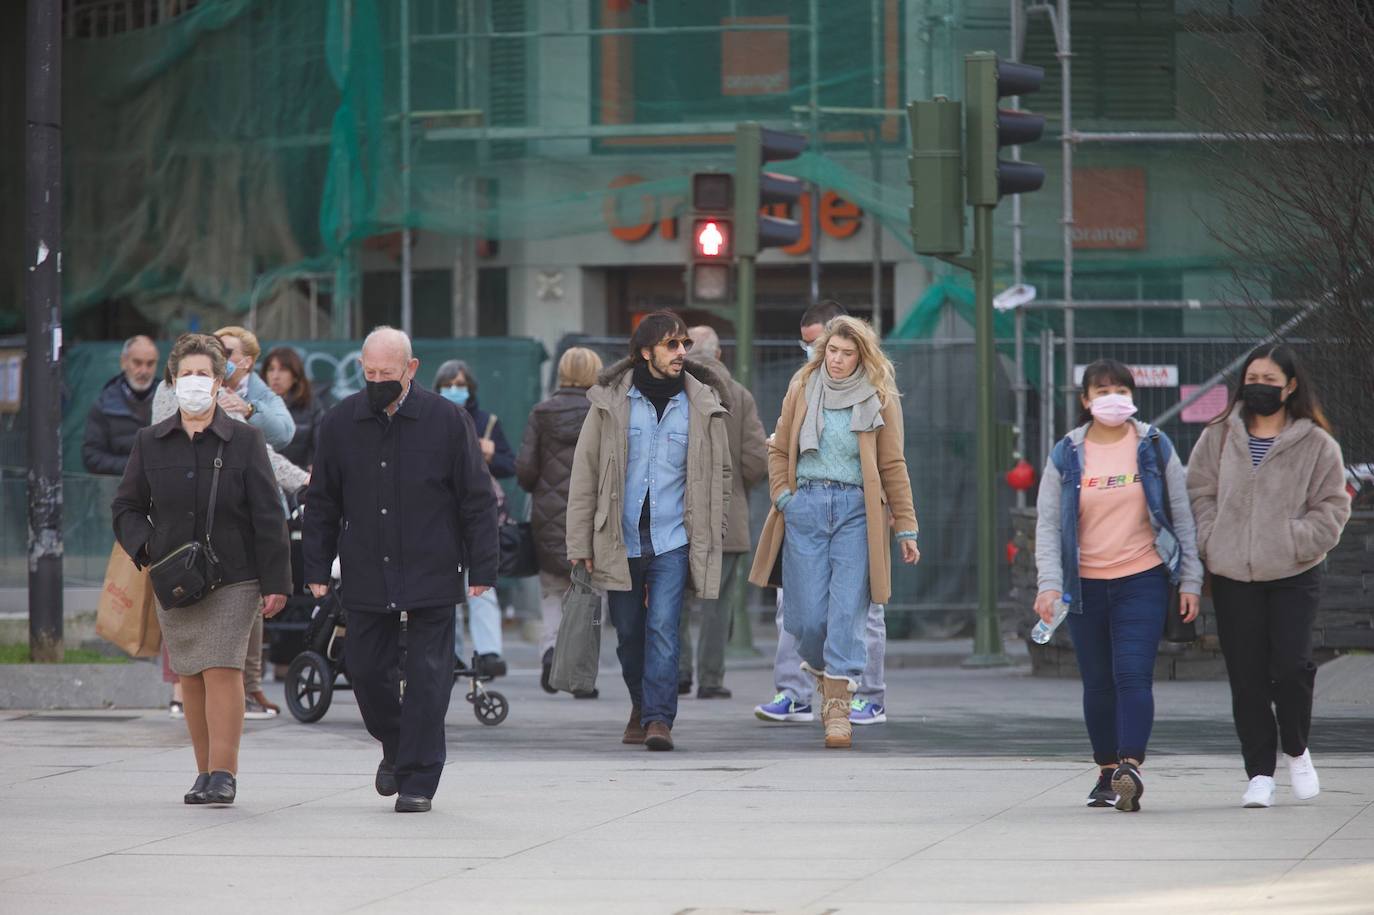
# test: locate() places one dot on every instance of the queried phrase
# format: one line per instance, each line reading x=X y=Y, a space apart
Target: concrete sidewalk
x=969 y=800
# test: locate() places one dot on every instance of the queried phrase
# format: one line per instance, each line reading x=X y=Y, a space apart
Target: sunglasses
x=684 y=344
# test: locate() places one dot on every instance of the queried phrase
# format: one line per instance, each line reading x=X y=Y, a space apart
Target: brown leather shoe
x=634 y=731
x=659 y=736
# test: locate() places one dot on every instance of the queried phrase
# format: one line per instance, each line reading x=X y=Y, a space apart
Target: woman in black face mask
x=1267 y=483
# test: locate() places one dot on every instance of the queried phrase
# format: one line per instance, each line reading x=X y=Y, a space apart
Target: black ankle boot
x=197 y=793
x=221 y=789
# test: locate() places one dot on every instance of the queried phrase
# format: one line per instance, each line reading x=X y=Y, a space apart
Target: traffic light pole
x=741 y=631
x=987 y=634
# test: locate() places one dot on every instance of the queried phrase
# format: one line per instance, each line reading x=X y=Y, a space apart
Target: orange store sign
x=1109 y=209
x=636 y=221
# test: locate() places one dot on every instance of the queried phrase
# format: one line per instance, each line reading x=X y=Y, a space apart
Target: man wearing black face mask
x=401 y=494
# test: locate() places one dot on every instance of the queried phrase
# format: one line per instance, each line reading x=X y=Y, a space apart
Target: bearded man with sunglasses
x=647 y=507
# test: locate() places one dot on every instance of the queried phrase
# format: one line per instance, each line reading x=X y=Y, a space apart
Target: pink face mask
x=1112 y=409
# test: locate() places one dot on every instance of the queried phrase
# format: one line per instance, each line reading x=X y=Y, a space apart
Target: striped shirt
x=1259 y=447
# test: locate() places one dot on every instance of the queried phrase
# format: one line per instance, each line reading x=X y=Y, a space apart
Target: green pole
x=987 y=638
x=741 y=631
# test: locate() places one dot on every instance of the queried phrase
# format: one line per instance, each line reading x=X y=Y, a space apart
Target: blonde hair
x=578 y=368
x=251 y=347
x=872 y=359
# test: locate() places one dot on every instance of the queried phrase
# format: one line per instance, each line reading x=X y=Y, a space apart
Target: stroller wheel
x=491 y=707
x=309 y=686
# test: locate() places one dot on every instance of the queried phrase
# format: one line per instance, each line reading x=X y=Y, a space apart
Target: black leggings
x=1265 y=629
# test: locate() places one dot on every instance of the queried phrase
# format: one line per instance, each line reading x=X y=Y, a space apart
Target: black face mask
x=1262 y=399
x=381 y=394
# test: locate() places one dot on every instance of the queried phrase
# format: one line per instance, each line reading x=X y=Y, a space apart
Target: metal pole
x=987 y=638
x=1066 y=119
x=341 y=316
x=1049 y=395
x=407 y=303
x=1017 y=263
x=815 y=73
x=741 y=631
x=43 y=310
x=876 y=35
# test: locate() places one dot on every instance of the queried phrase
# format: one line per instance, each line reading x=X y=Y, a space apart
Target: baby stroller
x=312 y=677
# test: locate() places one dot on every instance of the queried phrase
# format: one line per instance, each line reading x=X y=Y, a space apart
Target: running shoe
x=1129 y=786
x=1102 y=794
x=861 y=711
x=783 y=709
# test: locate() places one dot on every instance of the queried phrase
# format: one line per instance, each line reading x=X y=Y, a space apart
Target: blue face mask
x=456 y=393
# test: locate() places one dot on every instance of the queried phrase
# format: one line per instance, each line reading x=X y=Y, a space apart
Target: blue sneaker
x=783 y=709
x=861 y=711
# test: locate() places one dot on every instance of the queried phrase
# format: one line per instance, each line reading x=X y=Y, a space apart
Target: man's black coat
x=405 y=503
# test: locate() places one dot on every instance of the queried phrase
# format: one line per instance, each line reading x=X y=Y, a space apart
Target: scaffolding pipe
x=876 y=152
x=1065 y=54
x=407 y=302
x=1258 y=136
x=814 y=66
x=1017 y=262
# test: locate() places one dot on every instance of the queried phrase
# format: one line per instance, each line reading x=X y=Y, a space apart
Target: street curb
x=135 y=685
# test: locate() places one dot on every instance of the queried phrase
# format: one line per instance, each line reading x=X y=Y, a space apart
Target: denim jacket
x=656 y=469
x=1056 y=529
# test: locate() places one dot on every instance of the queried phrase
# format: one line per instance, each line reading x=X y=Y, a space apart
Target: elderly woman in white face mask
x=200 y=485
x=1115 y=533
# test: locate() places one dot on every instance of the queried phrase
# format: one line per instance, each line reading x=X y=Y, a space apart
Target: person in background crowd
x=245 y=394
x=285 y=375
x=456 y=384
x=647 y=507
x=163 y=502
x=401 y=495
x=1104 y=543
x=838 y=477
x=793 y=688
x=544 y=469
x=749 y=457
x=123 y=407
x=1267 y=481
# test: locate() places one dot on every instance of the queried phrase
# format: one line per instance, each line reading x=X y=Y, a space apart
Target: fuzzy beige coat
x=1273 y=521
x=596 y=489
x=887 y=489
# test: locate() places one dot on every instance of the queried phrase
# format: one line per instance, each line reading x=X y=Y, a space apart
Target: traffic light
x=711 y=240
x=937 y=167
x=755 y=146
x=989 y=128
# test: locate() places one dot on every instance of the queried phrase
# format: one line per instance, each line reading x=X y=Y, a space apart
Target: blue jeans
x=825 y=576
x=646 y=623
x=1116 y=638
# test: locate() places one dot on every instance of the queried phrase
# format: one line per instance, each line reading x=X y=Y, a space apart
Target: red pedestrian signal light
x=712 y=239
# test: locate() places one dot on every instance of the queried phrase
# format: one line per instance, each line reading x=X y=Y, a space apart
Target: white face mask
x=1112 y=409
x=195 y=394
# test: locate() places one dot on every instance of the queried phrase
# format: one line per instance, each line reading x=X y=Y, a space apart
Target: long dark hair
x=1104 y=372
x=1303 y=403
x=300 y=393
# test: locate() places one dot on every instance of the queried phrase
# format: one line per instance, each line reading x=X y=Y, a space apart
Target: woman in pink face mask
x=1114 y=533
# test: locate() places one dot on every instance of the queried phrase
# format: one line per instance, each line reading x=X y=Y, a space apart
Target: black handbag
x=191 y=571
x=1175 y=630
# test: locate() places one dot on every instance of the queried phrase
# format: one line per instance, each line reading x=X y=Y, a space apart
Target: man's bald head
x=387 y=356
x=705 y=341
x=138 y=362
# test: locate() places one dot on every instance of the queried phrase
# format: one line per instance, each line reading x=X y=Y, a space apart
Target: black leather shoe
x=222 y=788
x=490 y=665
x=386 y=779
x=412 y=803
x=197 y=793
x=546 y=671
x=586 y=693
x=713 y=692
x=684 y=686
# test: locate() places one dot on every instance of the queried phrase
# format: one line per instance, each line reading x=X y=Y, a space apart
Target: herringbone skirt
x=212 y=632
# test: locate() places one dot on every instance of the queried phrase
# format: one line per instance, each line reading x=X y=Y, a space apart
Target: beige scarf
x=825 y=393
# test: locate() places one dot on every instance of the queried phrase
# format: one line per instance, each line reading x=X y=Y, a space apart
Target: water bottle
x=1044 y=631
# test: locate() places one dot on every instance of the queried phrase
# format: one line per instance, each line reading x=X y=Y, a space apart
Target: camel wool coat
x=887 y=489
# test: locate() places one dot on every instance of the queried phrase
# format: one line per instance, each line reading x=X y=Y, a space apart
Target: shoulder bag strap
x=1163 y=476
x=214 y=497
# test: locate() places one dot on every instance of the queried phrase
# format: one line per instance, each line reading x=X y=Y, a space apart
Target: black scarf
x=658 y=391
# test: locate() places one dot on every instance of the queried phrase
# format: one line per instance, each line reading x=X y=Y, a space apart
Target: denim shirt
x=1057 y=529
x=656 y=468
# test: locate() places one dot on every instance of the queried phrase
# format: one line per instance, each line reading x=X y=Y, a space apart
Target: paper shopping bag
x=126 y=616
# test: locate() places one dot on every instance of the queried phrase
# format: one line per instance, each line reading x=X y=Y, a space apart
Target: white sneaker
x=1303 y=776
x=1260 y=792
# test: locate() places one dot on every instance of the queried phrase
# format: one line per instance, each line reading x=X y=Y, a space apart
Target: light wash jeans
x=797 y=686
x=825 y=574
x=484 y=619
